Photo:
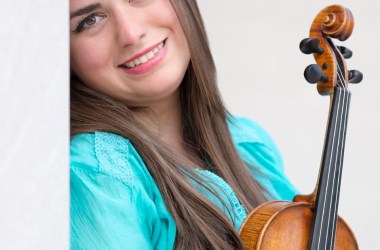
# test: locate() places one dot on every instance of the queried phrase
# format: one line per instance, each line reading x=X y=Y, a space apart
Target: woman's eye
x=89 y=22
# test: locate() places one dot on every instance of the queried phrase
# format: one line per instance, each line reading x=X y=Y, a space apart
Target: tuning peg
x=313 y=74
x=345 y=52
x=355 y=76
x=311 y=45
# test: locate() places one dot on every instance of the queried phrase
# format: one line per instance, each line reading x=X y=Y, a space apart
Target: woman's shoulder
x=258 y=149
x=252 y=139
x=110 y=154
x=245 y=130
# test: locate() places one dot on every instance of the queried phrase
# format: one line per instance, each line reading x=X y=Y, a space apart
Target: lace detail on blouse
x=239 y=209
x=112 y=152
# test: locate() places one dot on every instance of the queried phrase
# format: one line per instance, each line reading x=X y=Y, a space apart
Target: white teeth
x=144 y=58
x=150 y=55
x=130 y=64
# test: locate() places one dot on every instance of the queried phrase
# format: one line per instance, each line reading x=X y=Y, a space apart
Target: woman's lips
x=146 y=60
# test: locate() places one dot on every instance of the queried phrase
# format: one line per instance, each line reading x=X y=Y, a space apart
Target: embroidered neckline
x=112 y=152
x=238 y=208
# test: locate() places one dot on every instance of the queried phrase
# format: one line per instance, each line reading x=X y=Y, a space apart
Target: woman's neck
x=165 y=121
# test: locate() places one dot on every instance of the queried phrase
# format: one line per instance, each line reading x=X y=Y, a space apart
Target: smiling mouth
x=145 y=58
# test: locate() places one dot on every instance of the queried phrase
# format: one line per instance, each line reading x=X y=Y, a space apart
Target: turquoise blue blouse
x=116 y=204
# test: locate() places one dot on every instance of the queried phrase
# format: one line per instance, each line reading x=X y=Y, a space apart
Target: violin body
x=286 y=225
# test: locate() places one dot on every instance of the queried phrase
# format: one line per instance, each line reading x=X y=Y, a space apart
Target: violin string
x=341 y=77
x=347 y=97
x=334 y=174
x=338 y=162
x=328 y=175
x=337 y=167
x=330 y=230
x=332 y=168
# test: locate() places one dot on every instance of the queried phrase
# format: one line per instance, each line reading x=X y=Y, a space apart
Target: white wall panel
x=34 y=124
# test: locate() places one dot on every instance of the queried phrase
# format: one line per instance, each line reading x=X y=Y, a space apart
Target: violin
x=311 y=221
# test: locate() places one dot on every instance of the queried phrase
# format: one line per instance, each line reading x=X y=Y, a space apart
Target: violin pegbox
x=330 y=70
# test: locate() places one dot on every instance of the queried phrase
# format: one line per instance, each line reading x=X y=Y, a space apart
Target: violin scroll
x=336 y=22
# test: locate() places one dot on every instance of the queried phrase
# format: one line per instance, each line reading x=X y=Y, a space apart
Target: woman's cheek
x=88 y=58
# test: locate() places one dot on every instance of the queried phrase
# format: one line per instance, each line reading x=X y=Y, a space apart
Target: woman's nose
x=129 y=30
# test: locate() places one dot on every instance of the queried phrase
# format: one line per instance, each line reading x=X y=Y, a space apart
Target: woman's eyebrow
x=85 y=10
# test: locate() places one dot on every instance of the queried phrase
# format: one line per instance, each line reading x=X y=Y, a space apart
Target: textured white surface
x=255 y=45
x=34 y=124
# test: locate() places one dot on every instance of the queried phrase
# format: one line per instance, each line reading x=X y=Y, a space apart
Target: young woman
x=156 y=159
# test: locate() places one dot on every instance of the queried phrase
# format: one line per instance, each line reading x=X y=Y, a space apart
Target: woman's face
x=133 y=50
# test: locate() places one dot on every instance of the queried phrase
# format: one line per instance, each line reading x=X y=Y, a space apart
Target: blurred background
x=260 y=68
x=255 y=45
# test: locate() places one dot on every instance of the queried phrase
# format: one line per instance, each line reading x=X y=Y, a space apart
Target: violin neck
x=326 y=205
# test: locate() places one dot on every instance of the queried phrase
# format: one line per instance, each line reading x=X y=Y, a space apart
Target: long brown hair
x=200 y=224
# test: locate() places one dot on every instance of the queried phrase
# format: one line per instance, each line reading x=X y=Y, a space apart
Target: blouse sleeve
x=106 y=213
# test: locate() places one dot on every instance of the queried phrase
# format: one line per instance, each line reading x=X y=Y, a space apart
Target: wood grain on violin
x=286 y=225
x=311 y=221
